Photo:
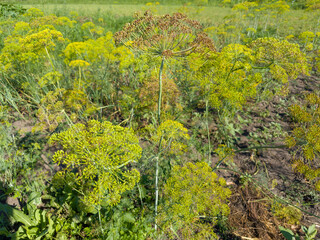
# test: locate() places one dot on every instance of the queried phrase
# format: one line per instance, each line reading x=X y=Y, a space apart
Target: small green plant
x=309 y=233
x=289 y=214
x=35 y=223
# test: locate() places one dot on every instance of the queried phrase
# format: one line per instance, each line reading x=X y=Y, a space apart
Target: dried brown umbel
x=166 y=36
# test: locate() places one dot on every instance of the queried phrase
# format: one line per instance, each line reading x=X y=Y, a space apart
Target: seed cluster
x=166 y=36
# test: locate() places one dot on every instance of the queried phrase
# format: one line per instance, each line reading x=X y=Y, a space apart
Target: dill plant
x=167 y=140
x=305 y=138
x=106 y=74
x=194 y=198
x=164 y=37
x=99 y=157
x=283 y=61
x=62 y=105
x=21 y=50
x=238 y=72
x=259 y=70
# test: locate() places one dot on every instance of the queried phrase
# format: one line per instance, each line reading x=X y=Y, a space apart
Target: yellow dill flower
x=289 y=37
x=99 y=153
x=21 y=28
x=251 y=30
x=50 y=78
x=33 y=12
x=79 y=63
x=88 y=26
x=74 y=14
x=307 y=37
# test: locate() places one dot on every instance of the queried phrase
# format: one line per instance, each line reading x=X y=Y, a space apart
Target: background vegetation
x=200 y=124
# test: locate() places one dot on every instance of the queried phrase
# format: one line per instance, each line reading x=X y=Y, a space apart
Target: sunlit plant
x=167 y=140
x=164 y=37
x=305 y=138
x=99 y=156
x=60 y=106
x=194 y=198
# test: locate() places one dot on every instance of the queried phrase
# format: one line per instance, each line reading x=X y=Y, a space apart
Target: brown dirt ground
x=250 y=216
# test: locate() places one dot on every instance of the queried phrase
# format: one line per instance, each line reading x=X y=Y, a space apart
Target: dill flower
x=79 y=63
x=33 y=12
x=166 y=36
x=102 y=155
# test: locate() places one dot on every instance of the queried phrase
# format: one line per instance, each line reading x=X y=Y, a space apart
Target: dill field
x=137 y=120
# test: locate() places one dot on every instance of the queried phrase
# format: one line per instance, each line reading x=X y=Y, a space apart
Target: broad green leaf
x=34 y=198
x=62 y=236
x=17 y=215
x=37 y=216
x=312 y=231
x=288 y=234
x=50 y=227
x=4 y=232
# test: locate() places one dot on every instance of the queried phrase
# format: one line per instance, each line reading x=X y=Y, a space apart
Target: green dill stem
x=157 y=185
x=140 y=194
x=157 y=158
x=160 y=91
x=79 y=77
x=99 y=214
x=208 y=132
x=51 y=62
x=157 y=194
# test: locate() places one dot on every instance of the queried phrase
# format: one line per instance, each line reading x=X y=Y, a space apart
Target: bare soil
x=271 y=171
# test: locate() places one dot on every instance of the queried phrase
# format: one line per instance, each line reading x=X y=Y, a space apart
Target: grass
x=126 y=2
x=208 y=13
x=296 y=21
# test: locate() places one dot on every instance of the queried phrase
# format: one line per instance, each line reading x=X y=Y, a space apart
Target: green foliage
x=306 y=136
x=127 y=221
x=168 y=137
x=310 y=233
x=289 y=214
x=194 y=196
x=288 y=234
x=35 y=223
x=11 y=10
x=97 y=156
